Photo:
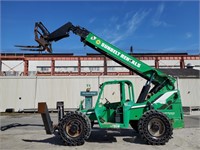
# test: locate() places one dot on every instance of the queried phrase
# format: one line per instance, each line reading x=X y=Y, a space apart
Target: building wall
x=195 y=63
x=169 y=64
x=189 y=89
x=13 y=68
x=16 y=68
x=14 y=65
x=34 y=64
x=25 y=92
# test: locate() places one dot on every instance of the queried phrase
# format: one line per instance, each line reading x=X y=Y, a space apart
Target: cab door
x=109 y=110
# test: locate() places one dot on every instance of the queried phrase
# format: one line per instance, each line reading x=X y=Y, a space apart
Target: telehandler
x=154 y=114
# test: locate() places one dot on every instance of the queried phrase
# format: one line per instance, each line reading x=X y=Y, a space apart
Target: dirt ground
x=26 y=131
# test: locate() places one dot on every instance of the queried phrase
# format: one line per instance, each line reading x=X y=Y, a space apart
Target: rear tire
x=155 y=128
x=74 y=128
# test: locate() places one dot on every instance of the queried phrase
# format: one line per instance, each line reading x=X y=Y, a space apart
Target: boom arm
x=152 y=75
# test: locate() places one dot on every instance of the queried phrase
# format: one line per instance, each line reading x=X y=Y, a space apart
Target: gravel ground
x=27 y=132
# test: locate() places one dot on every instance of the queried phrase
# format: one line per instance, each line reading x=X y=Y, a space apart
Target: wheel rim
x=156 y=127
x=74 y=128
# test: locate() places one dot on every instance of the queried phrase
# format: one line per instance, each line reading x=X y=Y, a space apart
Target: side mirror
x=100 y=86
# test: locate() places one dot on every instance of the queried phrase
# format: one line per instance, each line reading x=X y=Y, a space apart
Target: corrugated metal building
x=28 y=79
x=91 y=64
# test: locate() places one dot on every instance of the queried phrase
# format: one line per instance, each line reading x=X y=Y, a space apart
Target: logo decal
x=93 y=38
x=98 y=42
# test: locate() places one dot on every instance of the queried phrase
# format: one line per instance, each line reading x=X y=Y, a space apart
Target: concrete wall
x=190 y=91
x=25 y=92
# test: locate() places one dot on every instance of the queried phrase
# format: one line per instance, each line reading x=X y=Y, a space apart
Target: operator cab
x=114 y=96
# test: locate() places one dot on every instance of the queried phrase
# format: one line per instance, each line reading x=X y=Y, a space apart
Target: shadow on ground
x=99 y=136
x=54 y=140
x=14 y=125
x=109 y=136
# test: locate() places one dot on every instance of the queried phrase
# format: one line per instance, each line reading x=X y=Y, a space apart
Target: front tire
x=74 y=128
x=155 y=128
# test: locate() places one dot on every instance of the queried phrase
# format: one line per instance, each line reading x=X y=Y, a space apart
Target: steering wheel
x=107 y=101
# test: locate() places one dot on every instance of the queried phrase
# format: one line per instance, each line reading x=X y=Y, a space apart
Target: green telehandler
x=154 y=114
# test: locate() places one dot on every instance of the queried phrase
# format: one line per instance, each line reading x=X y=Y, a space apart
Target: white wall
x=193 y=62
x=190 y=91
x=19 y=65
x=66 y=63
x=11 y=89
x=149 y=62
x=52 y=89
x=10 y=65
x=169 y=64
x=32 y=66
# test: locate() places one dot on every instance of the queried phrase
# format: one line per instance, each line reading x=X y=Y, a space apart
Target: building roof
x=145 y=54
x=36 y=54
x=182 y=72
x=91 y=54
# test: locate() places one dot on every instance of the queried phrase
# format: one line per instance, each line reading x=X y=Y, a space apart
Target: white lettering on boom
x=126 y=58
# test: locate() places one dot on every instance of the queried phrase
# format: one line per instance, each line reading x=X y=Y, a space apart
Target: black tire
x=74 y=128
x=134 y=124
x=155 y=128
